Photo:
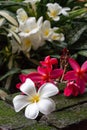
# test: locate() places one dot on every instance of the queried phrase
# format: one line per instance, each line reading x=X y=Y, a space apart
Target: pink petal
x=56 y=73
x=54 y=61
x=22 y=77
x=18 y=85
x=67 y=91
x=36 y=77
x=70 y=75
x=85 y=77
x=81 y=83
x=84 y=66
x=44 y=71
x=74 y=64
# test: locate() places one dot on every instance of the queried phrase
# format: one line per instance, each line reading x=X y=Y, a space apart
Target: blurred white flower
x=26 y=44
x=21 y=15
x=54 y=10
x=64 y=11
x=34 y=101
x=58 y=36
x=46 y=30
x=33 y=3
x=31 y=26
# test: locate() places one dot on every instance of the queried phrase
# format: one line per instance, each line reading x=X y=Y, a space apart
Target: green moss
x=68 y=116
x=63 y=102
x=68 y=111
x=8 y=117
x=39 y=127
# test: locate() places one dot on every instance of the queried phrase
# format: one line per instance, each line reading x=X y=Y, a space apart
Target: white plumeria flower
x=46 y=30
x=34 y=101
x=26 y=44
x=58 y=36
x=21 y=16
x=36 y=40
x=64 y=11
x=30 y=27
x=54 y=10
x=33 y=3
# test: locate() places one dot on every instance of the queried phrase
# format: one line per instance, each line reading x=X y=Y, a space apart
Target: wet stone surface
x=70 y=114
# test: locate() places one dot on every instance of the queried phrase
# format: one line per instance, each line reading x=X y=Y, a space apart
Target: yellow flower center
x=54 y=37
x=35 y=98
x=27 y=43
x=27 y=30
x=23 y=17
x=46 y=32
x=54 y=13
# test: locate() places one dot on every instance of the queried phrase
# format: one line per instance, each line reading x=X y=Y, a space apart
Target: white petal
x=19 y=102
x=28 y=87
x=31 y=111
x=57 y=18
x=48 y=90
x=46 y=106
x=40 y=20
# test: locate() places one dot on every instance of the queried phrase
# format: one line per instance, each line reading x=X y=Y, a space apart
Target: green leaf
x=27 y=71
x=2 y=20
x=7 y=15
x=76 y=33
x=11 y=72
x=83 y=53
x=3 y=94
x=15 y=36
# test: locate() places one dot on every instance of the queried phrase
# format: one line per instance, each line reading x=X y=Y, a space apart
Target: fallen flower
x=34 y=101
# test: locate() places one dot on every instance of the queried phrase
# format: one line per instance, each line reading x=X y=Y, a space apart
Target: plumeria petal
x=81 y=83
x=70 y=75
x=20 y=101
x=67 y=91
x=31 y=111
x=56 y=73
x=48 y=90
x=46 y=106
x=44 y=70
x=64 y=11
x=85 y=77
x=28 y=87
x=84 y=66
x=71 y=89
x=22 y=77
x=36 y=77
x=74 y=64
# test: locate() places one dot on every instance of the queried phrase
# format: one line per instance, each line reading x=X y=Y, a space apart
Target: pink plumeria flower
x=49 y=62
x=35 y=101
x=79 y=74
x=45 y=74
x=72 y=89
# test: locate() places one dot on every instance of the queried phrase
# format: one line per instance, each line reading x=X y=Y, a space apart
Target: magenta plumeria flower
x=49 y=62
x=45 y=73
x=72 y=89
x=78 y=74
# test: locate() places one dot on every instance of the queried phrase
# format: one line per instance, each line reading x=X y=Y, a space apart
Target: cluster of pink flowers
x=75 y=80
